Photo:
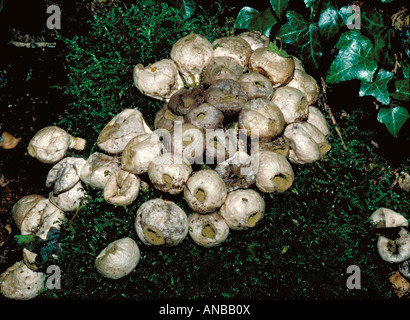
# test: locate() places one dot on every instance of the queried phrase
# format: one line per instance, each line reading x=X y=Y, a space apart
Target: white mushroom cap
x=169 y=173
x=207 y=230
x=98 y=168
x=292 y=102
x=395 y=250
x=205 y=191
x=255 y=39
x=256 y=85
x=69 y=200
x=159 y=80
x=220 y=144
x=275 y=174
x=122 y=188
x=140 y=151
x=243 y=209
x=126 y=125
x=387 y=218
x=23 y=206
x=65 y=174
x=188 y=140
x=50 y=144
x=318 y=119
x=235 y=47
x=19 y=282
x=192 y=54
x=221 y=68
x=118 y=259
x=161 y=222
x=305 y=83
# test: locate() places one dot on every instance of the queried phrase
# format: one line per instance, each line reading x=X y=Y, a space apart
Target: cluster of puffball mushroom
x=268 y=100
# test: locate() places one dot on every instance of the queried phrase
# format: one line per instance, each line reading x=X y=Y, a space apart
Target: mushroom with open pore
x=221 y=68
x=207 y=230
x=292 y=102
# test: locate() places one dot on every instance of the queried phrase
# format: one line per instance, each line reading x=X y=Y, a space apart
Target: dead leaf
x=7 y=141
x=404 y=181
x=400 y=285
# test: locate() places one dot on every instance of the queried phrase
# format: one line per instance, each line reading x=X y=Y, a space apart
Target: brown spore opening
x=253 y=218
x=200 y=195
x=153 y=235
x=209 y=231
x=281 y=182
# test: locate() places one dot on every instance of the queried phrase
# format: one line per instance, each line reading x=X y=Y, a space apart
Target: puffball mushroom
x=207 y=230
x=126 y=125
x=19 y=282
x=280 y=145
x=118 y=259
x=395 y=250
x=292 y=102
x=205 y=116
x=235 y=47
x=184 y=100
x=192 y=54
x=275 y=174
x=98 y=169
x=71 y=199
x=161 y=222
x=122 y=188
x=255 y=39
x=50 y=144
x=220 y=144
x=243 y=209
x=226 y=95
x=140 y=151
x=279 y=70
x=65 y=174
x=159 y=80
x=205 y=191
x=256 y=85
x=263 y=117
x=238 y=172
x=169 y=172
x=221 y=68
x=23 y=206
x=188 y=140
x=387 y=218
x=305 y=83
x=307 y=143
x=165 y=119
x=318 y=119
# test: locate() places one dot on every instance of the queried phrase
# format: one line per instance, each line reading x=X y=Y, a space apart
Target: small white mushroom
x=165 y=119
x=122 y=188
x=221 y=68
x=387 y=218
x=234 y=47
x=23 y=206
x=205 y=191
x=305 y=83
x=118 y=259
x=169 y=173
x=19 y=282
x=187 y=140
x=256 y=85
x=205 y=116
x=275 y=174
x=243 y=209
x=318 y=119
x=65 y=174
x=207 y=230
x=192 y=54
x=126 y=125
x=159 y=80
x=98 y=169
x=220 y=144
x=395 y=250
x=161 y=222
x=140 y=151
x=255 y=39
x=50 y=144
x=71 y=199
x=292 y=102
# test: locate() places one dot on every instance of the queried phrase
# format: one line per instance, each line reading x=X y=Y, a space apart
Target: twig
x=33 y=44
x=75 y=214
x=327 y=108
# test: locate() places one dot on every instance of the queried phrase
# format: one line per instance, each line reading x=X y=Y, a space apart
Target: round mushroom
x=205 y=191
x=184 y=100
x=292 y=102
x=65 y=174
x=122 y=188
x=118 y=259
x=221 y=68
x=50 y=144
x=256 y=85
x=205 y=116
x=23 y=206
x=165 y=119
x=161 y=222
x=318 y=119
x=207 y=230
x=395 y=250
x=159 y=80
x=235 y=47
x=255 y=39
x=387 y=218
x=98 y=169
x=243 y=209
x=305 y=83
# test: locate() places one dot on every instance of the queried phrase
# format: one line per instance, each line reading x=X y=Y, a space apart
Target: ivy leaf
x=187 y=8
x=355 y=59
x=393 y=118
x=279 y=6
x=308 y=3
x=251 y=19
x=274 y=48
x=302 y=36
x=378 y=88
x=329 y=22
x=373 y=21
x=406 y=70
x=402 y=90
x=383 y=46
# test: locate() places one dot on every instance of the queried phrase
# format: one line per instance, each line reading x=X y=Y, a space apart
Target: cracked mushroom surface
x=205 y=191
x=208 y=230
x=50 y=144
x=307 y=84
x=126 y=125
x=118 y=259
x=318 y=119
x=226 y=95
x=256 y=85
x=192 y=54
x=23 y=206
x=292 y=102
x=122 y=188
x=65 y=174
x=234 y=47
x=161 y=222
x=205 y=116
x=98 y=169
x=159 y=80
x=395 y=249
x=71 y=199
x=243 y=209
x=387 y=218
x=255 y=39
